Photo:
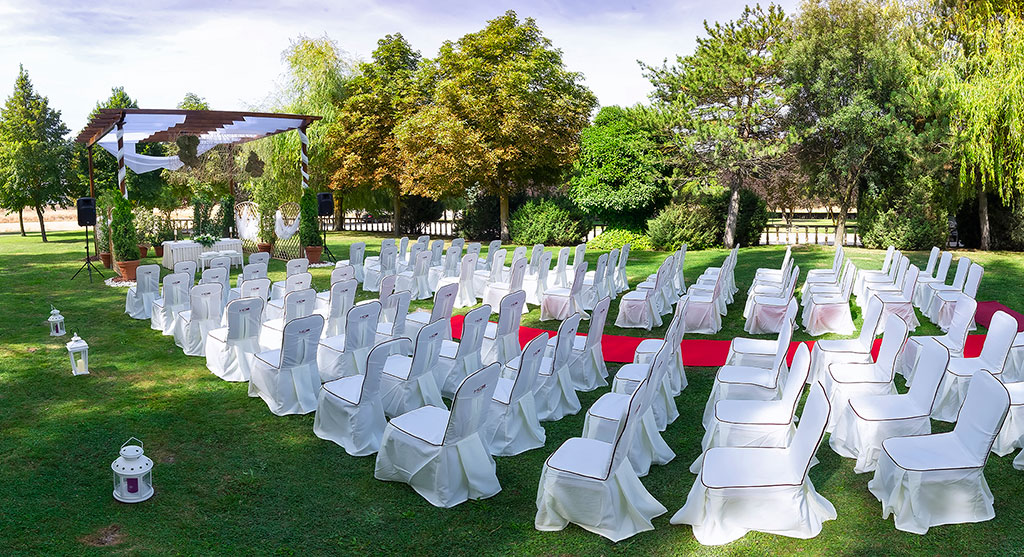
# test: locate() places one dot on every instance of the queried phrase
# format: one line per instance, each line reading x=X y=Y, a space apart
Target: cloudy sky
x=229 y=51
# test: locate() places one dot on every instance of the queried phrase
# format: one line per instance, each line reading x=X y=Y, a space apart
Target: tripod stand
x=327 y=251
x=88 y=261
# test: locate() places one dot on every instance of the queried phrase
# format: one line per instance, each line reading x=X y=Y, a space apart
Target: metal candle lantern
x=78 y=352
x=133 y=474
x=56 y=321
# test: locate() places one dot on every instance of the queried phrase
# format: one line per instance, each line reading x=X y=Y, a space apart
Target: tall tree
x=848 y=76
x=35 y=158
x=729 y=99
x=367 y=154
x=509 y=110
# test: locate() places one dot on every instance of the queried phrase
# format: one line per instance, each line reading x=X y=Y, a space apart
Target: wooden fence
x=808 y=234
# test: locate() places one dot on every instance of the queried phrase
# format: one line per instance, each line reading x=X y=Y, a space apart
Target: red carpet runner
x=696 y=352
x=987 y=309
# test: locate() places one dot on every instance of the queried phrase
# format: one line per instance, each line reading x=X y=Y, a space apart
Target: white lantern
x=78 y=351
x=133 y=474
x=56 y=322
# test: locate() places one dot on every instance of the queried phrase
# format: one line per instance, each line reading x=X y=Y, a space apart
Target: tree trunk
x=396 y=211
x=840 y=218
x=733 y=215
x=983 y=218
x=21 y=220
x=339 y=213
x=503 y=214
x=42 y=226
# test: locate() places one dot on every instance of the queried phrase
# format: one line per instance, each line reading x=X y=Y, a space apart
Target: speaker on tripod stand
x=87 y=217
x=325 y=208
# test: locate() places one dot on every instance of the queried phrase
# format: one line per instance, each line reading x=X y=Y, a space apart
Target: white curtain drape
x=282 y=230
x=247 y=224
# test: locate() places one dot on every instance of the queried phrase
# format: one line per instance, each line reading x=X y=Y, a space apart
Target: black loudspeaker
x=325 y=204
x=86 y=211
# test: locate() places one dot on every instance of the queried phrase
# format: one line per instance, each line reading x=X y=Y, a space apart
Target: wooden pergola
x=114 y=128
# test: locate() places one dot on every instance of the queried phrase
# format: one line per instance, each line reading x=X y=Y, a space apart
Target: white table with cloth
x=187 y=250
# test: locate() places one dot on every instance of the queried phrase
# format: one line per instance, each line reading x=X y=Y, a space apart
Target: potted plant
x=145 y=227
x=264 y=194
x=164 y=232
x=309 y=235
x=125 y=239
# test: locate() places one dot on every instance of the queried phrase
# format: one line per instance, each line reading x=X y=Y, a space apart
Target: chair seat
x=398 y=366
x=561 y=291
x=748 y=375
x=965 y=367
x=346 y=388
x=758 y=412
x=272 y=357
x=583 y=457
x=631 y=295
x=426 y=423
x=419 y=316
x=858 y=373
x=449 y=349
x=611 y=406
x=726 y=467
x=336 y=343
x=220 y=334
x=503 y=390
x=753 y=346
x=633 y=372
x=886 y=407
x=851 y=345
x=941 y=451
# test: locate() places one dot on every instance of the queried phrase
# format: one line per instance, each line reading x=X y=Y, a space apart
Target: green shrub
x=915 y=230
x=698 y=220
x=418 y=211
x=613 y=238
x=548 y=221
x=752 y=219
x=480 y=219
x=226 y=215
x=145 y=225
x=122 y=231
x=202 y=221
x=309 y=222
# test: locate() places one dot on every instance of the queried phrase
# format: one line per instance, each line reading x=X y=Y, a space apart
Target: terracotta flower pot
x=159 y=249
x=105 y=258
x=143 y=250
x=313 y=253
x=127 y=269
x=263 y=246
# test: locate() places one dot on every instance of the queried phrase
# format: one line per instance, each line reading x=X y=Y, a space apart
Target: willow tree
x=983 y=81
x=507 y=111
x=729 y=98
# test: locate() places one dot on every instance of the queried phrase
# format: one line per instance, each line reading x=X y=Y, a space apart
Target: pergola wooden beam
x=197 y=122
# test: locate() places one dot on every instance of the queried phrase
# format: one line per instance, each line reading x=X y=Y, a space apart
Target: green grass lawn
x=231 y=478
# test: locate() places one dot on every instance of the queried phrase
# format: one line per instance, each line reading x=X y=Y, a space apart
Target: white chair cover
x=495 y=291
x=826 y=311
x=931 y=289
x=535 y=255
x=387 y=289
x=590 y=371
x=218 y=275
x=936 y=479
x=334 y=309
x=740 y=489
x=299 y=303
x=259 y=257
x=512 y=425
x=594 y=284
x=901 y=303
x=954 y=340
x=590 y=483
x=642 y=308
x=501 y=339
x=138 y=303
x=865 y=421
x=465 y=297
x=287 y=379
x=768 y=314
x=188 y=267
x=577 y=259
x=441 y=454
x=385 y=265
x=939 y=277
x=473 y=248
x=408 y=382
x=256 y=288
x=294 y=283
x=416 y=280
x=648 y=348
x=560 y=280
x=251 y=271
x=957 y=379
x=518 y=253
x=1010 y=435
x=397 y=309
x=886 y=272
x=349 y=410
x=944 y=303
x=559 y=303
x=703 y=314
x=356 y=252
x=753 y=351
x=826 y=352
x=449 y=267
x=345 y=355
x=293 y=267
x=554 y=392
x=621 y=281
x=203 y=315
x=459 y=359
x=496 y=273
x=537 y=283
x=444 y=304
x=173 y=298
x=484 y=263
x=609 y=273
x=227 y=348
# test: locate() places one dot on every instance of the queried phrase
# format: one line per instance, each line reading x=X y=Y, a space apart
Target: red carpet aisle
x=987 y=309
x=696 y=352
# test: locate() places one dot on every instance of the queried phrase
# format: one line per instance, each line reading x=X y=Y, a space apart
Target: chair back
x=256 y=288
x=205 y=301
x=529 y=365
x=356 y=253
x=299 y=303
x=811 y=430
x=962 y=266
x=628 y=426
x=1001 y=332
x=342 y=298
x=388 y=259
x=510 y=312
x=973 y=280
x=497 y=265
x=847 y=281
x=398 y=309
x=598 y=317
x=466 y=269
x=259 y=257
x=933 y=258
x=796 y=379
x=600 y=269
x=982 y=414
x=423 y=239
x=963 y=318
x=519 y=252
x=301 y=337
x=244 y=317
x=414 y=254
x=299 y=281
x=943 y=270
x=613 y=263
x=888 y=258
x=222 y=262
x=928 y=372
x=869 y=327
x=578 y=254
x=427 y=349
x=781 y=350
x=473 y=249
x=254 y=271
x=562 y=262
x=387 y=288
x=471 y=403
x=218 y=275
x=175 y=290
x=296 y=266
x=343 y=272
x=436 y=252
x=624 y=255
x=544 y=268
x=473 y=327
x=459 y=243
x=421 y=265
x=375 y=365
x=444 y=303
x=535 y=254
x=564 y=340
x=893 y=339
x=663 y=275
x=579 y=273
x=451 y=261
x=910 y=283
x=492 y=247
x=188 y=267
x=361 y=326
x=516 y=275
x=147 y=279
x=837 y=259
x=403 y=246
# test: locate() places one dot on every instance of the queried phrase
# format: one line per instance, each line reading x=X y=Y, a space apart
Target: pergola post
x=122 y=172
x=304 y=155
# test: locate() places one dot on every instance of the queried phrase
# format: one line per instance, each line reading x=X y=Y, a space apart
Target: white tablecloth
x=187 y=250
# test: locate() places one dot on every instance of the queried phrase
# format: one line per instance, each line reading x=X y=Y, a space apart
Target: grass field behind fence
x=233 y=479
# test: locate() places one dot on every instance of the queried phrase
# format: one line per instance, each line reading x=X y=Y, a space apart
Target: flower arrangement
x=205 y=240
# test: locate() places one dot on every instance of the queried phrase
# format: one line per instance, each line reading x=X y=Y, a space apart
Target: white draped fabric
x=138 y=302
x=287 y=379
x=282 y=230
x=247 y=223
x=227 y=347
x=204 y=314
x=459 y=359
x=173 y=298
x=345 y=355
x=512 y=425
x=960 y=371
x=554 y=392
x=407 y=383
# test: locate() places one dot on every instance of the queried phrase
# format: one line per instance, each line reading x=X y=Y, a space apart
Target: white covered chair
x=292 y=267
x=204 y=315
x=218 y=275
x=473 y=248
x=501 y=339
x=349 y=411
x=259 y=257
x=702 y=307
x=767 y=314
x=992 y=358
x=609 y=274
x=296 y=304
x=287 y=379
x=595 y=284
x=603 y=417
x=858 y=349
x=829 y=285
x=885 y=273
x=664 y=291
x=294 y=283
x=386 y=264
x=1011 y=435
x=535 y=254
x=334 y=309
x=345 y=355
x=758 y=423
x=892 y=284
x=554 y=392
x=954 y=340
x=441 y=454
x=962 y=266
x=621 y=281
x=764 y=489
x=189 y=268
x=465 y=297
x=642 y=308
x=458 y=359
x=828 y=311
x=482 y=277
x=929 y=480
x=933 y=276
x=256 y=288
x=649 y=347
x=590 y=483
x=865 y=421
x=495 y=291
x=590 y=371
x=449 y=267
x=560 y=278
x=415 y=280
x=251 y=271
x=484 y=263
x=561 y=302
x=901 y=303
x=755 y=351
x=578 y=255
x=944 y=303
x=338 y=274
x=536 y=284
x=408 y=382
x=393 y=314
x=356 y=253
x=228 y=348
x=512 y=426
x=138 y=303
x=173 y=298
x=829 y=275
x=518 y=253
x=444 y=304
